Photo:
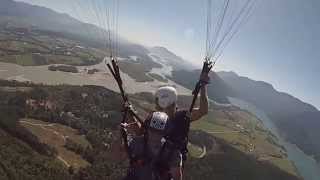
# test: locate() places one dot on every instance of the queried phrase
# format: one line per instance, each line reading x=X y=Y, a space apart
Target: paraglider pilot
x=158 y=147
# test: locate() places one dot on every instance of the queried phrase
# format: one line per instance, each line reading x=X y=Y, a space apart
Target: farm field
x=56 y=135
x=246 y=133
x=28 y=47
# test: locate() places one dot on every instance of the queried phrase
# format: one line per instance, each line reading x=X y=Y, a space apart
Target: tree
x=39 y=94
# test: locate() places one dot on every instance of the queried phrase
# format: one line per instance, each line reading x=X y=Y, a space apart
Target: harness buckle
x=138 y=163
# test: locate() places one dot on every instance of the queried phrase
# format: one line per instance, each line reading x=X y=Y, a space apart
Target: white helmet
x=166 y=96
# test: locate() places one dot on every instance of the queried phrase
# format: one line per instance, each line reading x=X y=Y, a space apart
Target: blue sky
x=280 y=44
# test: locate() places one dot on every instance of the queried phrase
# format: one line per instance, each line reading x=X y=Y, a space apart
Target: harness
x=178 y=134
x=158 y=145
x=158 y=123
x=177 y=138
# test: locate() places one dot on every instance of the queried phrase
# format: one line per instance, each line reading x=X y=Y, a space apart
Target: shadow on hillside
x=233 y=165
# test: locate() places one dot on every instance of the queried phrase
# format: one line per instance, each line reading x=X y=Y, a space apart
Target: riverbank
x=41 y=74
x=307 y=167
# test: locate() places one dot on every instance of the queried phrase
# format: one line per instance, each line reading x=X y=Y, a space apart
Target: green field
x=55 y=135
x=244 y=132
x=19 y=161
x=136 y=70
x=158 y=77
x=33 y=49
x=227 y=144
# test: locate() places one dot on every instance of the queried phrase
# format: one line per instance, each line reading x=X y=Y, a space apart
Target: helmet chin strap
x=170 y=110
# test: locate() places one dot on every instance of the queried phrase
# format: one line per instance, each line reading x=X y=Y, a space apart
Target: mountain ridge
x=171 y=58
x=220 y=90
x=297 y=120
x=75 y=97
x=232 y=76
x=25 y=15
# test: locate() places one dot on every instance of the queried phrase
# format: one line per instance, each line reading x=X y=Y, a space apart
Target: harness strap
x=138 y=163
x=164 y=170
x=124 y=135
x=154 y=162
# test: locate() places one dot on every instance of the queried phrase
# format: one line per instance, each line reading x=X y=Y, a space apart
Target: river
x=306 y=166
x=41 y=74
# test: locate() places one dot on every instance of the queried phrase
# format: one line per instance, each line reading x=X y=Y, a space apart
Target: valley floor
x=41 y=74
x=228 y=144
x=56 y=136
x=246 y=133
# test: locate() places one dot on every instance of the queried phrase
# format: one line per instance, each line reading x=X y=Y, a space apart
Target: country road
x=204 y=152
x=223 y=132
x=34 y=124
x=44 y=127
x=65 y=162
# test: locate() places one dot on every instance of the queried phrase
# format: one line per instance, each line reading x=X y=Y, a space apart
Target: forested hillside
x=94 y=112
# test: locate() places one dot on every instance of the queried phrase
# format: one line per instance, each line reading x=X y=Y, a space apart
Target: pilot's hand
x=204 y=78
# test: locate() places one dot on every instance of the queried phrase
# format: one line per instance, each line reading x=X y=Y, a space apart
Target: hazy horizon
x=277 y=45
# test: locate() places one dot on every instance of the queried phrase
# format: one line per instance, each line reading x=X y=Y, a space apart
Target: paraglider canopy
x=106 y=15
x=224 y=20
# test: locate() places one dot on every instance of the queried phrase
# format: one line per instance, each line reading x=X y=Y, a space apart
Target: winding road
x=204 y=152
x=223 y=132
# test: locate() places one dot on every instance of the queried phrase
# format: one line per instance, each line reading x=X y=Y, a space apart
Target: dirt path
x=223 y=132
x=44 y=127
x=64 y=161
x=55 y=132
x=34 y=124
